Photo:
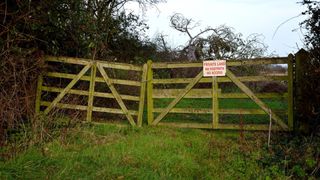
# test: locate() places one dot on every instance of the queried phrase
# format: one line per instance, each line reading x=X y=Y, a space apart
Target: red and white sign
x=214 y=68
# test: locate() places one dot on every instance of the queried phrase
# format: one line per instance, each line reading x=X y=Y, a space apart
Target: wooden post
x=38 y=95
x=215 y=103
x=290 y=91
x=301 y=61
x=142 y=94
x=91 y=92
x=149 y=92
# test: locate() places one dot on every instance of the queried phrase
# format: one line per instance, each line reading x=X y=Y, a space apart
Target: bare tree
x=216 y=43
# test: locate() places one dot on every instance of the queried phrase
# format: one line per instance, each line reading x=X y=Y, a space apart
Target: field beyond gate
x=177 y=93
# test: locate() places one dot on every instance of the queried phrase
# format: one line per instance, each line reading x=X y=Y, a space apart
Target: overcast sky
x=245 y=16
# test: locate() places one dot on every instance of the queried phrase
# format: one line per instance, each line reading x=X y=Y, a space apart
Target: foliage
x=77 y=28
x=312 y=24
x=310 y=84
x=18 y=79
x=297 y=156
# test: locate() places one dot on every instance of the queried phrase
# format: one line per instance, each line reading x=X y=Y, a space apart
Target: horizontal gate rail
x=207 y=93
x=221 y=111
x=97 y=79
x=82 y=61
x=255 y=61
x=86 y=93
x=222 y=79
x=84 y=108
x=249 y=127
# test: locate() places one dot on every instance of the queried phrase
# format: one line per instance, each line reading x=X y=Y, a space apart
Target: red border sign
x=214 y=68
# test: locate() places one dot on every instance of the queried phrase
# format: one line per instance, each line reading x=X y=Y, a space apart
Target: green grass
x=278 y=104
x=223 y=103
x=114 y=152
x=249 y=104
x=111 y=152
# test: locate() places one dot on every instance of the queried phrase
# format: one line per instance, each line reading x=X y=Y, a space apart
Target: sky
x=266 y=17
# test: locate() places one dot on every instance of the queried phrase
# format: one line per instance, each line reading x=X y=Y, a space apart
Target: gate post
x=91 y=91
x=290 y=92
x=300 y=104
x=149 y=92
x=142 y=94
x=215 y=103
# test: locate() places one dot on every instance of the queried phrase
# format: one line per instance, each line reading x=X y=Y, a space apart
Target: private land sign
x=214 y=68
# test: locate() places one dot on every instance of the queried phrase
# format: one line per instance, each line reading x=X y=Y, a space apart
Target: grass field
x=275 y=104
x=96 y=151
x=223 y=103
x=112 y=152
x=105 y=151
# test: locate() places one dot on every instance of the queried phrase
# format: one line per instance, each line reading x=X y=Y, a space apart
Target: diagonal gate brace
x=115 y=94
x=67 y=89
x=177 y=99
x=253 y=97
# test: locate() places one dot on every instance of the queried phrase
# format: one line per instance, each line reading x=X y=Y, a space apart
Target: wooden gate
x=93 y=72
x=183 y=99
x=156 y=115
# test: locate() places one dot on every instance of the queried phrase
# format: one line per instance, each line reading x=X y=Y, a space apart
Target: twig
x=5 y=12
x=275 y=32
x=316 y=169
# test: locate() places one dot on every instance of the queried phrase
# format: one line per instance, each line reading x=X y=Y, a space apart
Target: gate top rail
x=82 y=61
x=240 y=62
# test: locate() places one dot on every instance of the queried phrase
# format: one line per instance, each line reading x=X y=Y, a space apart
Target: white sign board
x=214 y=68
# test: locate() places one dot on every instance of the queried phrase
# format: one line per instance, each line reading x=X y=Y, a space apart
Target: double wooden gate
x=176 y=90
